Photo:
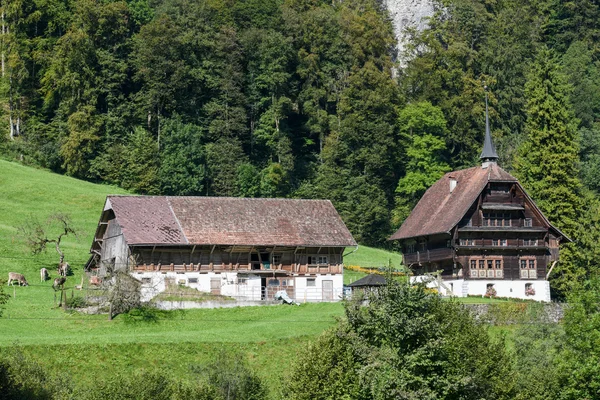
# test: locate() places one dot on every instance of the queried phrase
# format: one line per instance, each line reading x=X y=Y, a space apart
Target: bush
x=230 y=375
x=77 y=302
x=405 y=343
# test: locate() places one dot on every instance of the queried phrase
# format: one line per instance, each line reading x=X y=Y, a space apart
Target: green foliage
x=76 y=302
x=547 y=164
x=404 y=343
x=182 y=159
x=230 y=375
x=581 y=379
x=536 y=351
x=423 y=127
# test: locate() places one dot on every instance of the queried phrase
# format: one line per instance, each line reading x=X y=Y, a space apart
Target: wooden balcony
x=426 y=256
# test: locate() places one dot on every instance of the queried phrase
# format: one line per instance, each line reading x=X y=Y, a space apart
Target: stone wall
x=518 y=312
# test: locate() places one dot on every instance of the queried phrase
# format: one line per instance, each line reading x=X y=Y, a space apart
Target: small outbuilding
x=369 y=282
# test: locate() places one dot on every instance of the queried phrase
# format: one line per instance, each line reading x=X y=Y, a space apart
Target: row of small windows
x=498 y=242
x=494 y=267
x=497 y=219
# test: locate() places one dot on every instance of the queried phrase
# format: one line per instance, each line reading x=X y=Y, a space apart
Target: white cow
x=15 y=276
x=44 y=275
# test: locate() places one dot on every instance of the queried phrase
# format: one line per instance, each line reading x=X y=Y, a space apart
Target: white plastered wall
x=251 y=290
x=504 y=288
x=304 y=293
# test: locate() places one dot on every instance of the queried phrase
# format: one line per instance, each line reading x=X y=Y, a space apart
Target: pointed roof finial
x=488 y=155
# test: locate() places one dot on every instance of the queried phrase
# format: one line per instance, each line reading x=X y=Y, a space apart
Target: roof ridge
x=177 y=220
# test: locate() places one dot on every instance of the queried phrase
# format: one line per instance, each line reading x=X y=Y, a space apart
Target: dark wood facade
x=503 y=235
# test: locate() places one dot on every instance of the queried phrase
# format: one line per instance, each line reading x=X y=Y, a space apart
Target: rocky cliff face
x=408 y=13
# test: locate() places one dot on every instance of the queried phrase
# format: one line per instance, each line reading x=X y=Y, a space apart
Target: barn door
x=215 y=285
x=327 y=290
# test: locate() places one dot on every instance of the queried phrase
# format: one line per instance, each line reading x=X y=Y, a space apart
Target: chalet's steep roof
x=440 y=209
x=159 y=220
x=369 y=280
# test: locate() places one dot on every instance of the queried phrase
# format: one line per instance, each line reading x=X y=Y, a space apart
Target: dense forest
x=309 y=98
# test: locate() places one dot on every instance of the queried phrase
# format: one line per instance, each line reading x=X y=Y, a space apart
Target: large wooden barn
x=244 y=248
x=483 y=232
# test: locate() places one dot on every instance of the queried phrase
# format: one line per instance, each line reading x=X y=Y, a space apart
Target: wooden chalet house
x=481 y=229
x=245 y=248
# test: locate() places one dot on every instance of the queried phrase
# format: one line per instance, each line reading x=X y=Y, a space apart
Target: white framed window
x=528 y=222
x=467 y=242
x=322 y=260
x=499 y=242
x=528 y=267
x=486 y=268
x=530 y=242
x=193 y=280
x=242 y=280
x=311 y=282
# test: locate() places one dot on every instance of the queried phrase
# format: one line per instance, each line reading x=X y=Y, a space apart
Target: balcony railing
x=428 y=256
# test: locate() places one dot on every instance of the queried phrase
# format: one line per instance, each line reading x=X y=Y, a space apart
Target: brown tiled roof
x=146 y=219
x=439 y=210
x=229 y=221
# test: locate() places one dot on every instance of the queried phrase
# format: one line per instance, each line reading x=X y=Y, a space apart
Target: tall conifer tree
x=547 y=163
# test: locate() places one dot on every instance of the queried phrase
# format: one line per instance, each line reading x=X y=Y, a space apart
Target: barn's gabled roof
x=161 y=220
x=441 y=209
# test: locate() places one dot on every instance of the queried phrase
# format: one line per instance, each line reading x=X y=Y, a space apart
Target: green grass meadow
x=88 y=345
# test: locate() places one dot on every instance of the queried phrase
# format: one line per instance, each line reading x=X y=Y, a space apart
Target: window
x=423 y=246
x=496 y=219
x=273 y=282
x=490 y=267
x=311 y=282
x=499 y=242
x=529 y=290
x=528 y=267
x=146 y=280
x=242 y=280
x=410 y=248
x=193 y=280
x=528 y=223
x=467 y=242
x=317 y=260
x=530 y=242
x=276 y=258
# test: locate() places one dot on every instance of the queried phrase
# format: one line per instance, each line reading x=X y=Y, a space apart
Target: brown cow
x=44 y=275
x=58 y=282
x=14 y=276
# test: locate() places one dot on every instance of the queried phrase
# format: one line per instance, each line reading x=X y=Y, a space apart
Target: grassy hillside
x=370 y=257
x=268 y=336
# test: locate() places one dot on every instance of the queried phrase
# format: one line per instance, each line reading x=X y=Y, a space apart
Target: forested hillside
x=303 y=98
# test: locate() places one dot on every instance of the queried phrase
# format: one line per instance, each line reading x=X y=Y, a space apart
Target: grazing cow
x=44 y=275
x=58 y=282
x=14 y=276
x=64 y=268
